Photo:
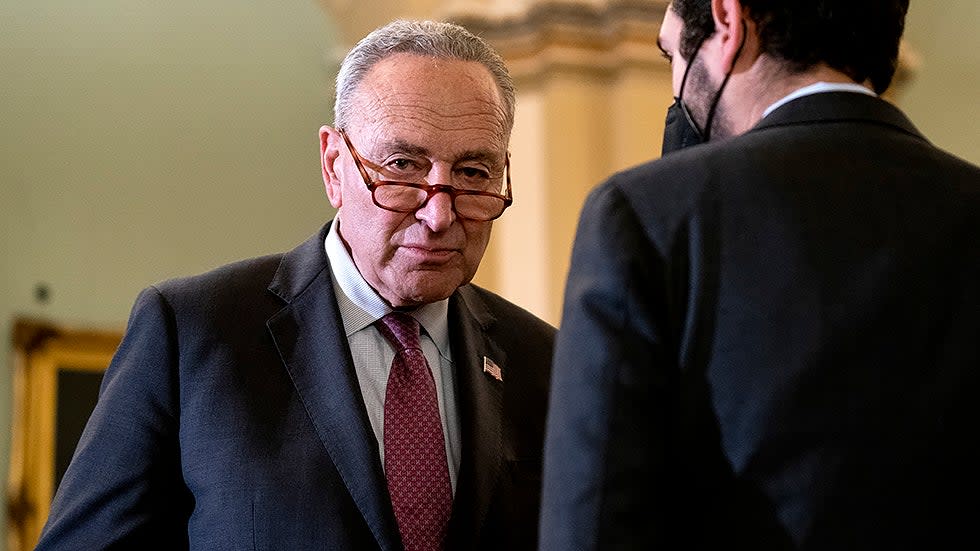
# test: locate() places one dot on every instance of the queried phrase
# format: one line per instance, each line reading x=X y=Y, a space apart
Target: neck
x=767 y=82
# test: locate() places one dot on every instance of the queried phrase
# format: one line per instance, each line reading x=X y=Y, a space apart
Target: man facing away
x=356 y=392
x=772 y=340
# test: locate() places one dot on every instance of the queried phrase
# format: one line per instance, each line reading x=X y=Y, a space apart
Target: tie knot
x=401 y=330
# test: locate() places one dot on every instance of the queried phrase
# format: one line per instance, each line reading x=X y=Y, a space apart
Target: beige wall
x=141 y=140
x=944 y=98
x=144 y=139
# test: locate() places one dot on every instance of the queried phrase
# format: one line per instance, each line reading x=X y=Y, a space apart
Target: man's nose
x=438 y=213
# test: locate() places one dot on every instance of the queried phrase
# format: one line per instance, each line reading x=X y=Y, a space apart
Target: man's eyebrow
x=402 y=146
x=478 y=155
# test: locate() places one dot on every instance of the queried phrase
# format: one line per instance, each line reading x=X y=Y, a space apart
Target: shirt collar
x=818 y=88
x=360 y=305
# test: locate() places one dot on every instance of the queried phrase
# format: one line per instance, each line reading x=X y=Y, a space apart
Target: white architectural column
x=592 y=93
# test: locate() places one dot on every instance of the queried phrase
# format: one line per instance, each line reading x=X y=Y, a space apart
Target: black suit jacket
x=773 y=342
x=231 y=418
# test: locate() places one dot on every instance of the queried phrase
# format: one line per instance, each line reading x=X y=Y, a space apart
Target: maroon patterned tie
x=415 y=451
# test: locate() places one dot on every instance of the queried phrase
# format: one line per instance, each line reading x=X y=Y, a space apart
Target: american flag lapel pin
x=492 y=369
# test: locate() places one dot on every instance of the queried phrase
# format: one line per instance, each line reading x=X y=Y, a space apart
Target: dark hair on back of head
x=857 y=37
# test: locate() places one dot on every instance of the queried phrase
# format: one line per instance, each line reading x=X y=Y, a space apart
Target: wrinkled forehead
x=431 y=94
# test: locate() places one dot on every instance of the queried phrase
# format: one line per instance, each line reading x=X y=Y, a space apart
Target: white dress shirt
x=819 y=88
x=360 y=306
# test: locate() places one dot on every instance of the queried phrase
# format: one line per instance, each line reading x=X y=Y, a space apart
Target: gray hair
x=424 y=38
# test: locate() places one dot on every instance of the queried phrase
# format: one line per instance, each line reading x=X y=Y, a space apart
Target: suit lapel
x=309 y=336
x=480 y=407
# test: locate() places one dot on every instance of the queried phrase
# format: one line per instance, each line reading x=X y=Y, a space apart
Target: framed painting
x=56 y=379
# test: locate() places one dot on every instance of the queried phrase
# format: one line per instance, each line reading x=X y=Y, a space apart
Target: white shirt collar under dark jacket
x=819 y=88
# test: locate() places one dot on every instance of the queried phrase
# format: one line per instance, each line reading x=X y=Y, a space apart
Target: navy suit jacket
x=231 y=418
x=773 y=342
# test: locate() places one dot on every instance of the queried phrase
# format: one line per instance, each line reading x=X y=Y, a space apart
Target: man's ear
x=330 y=140
x=730 y=25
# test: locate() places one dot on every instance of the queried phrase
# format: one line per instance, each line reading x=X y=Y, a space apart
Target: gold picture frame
x=57 y=372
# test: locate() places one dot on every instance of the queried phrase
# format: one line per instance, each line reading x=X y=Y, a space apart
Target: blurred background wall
x=943 y=98
x=142 y=140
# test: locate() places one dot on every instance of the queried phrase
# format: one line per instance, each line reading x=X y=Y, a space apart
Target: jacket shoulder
x=231 y=278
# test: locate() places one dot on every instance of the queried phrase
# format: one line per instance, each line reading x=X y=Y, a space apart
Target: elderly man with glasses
x=357 y=392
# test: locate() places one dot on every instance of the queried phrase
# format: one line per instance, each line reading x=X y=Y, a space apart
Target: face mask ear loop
x=687 y=70
x=714 y=104
x=680 y=93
